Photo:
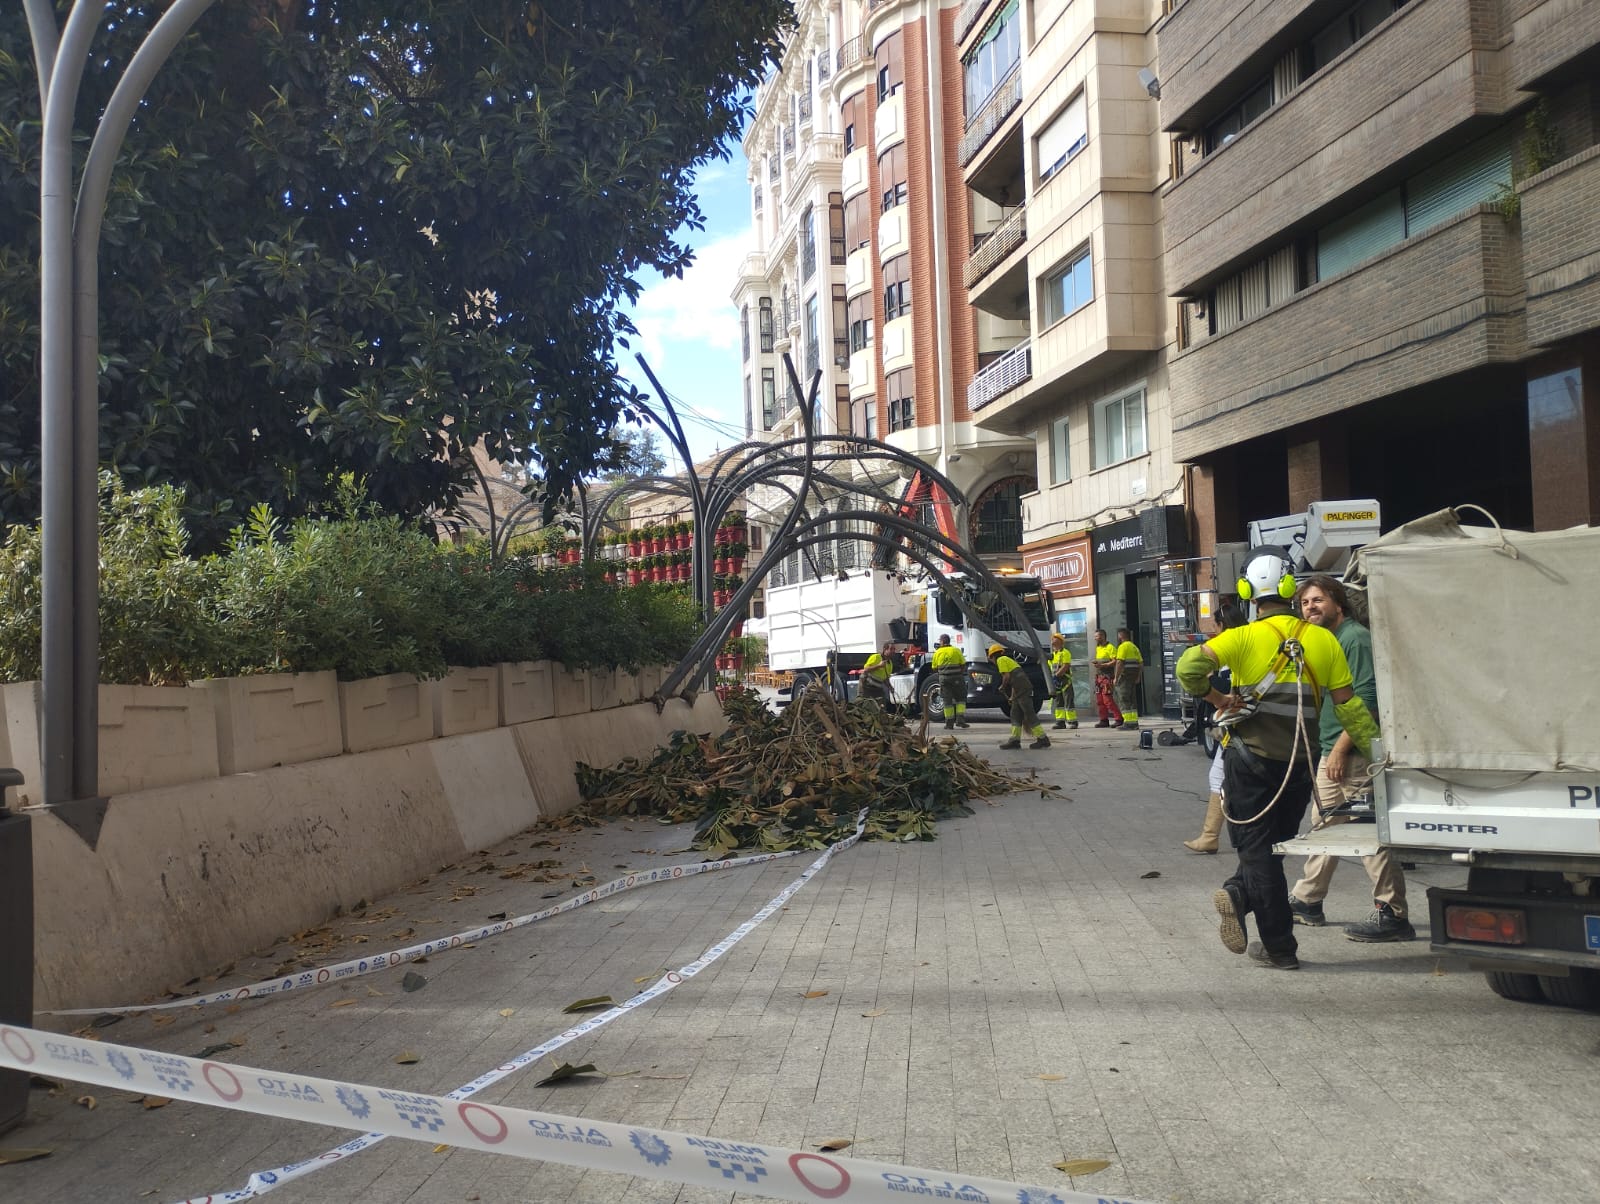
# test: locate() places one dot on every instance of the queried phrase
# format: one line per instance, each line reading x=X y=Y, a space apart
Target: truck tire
x=1524 y=988
x=931 y=697
x=1580 y=989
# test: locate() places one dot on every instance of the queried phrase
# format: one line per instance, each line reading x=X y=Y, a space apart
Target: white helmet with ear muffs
x=1267 y=574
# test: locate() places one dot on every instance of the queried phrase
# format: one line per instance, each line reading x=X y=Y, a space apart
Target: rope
x=1301 y=740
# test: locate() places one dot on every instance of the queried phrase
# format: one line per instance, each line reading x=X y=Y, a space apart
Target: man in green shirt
x=1342 y=773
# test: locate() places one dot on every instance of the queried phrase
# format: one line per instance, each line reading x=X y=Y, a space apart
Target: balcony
x=1561 y=248
x=997 y=245
x=803 y=108
x=971 y=10
x=998 y=535
x=991 y=115
x=1356 y=122
x=853 y=53
x=788 y=142
x=754 y=266
x=1436 y=305
x=1000 y=377
x=824 y=65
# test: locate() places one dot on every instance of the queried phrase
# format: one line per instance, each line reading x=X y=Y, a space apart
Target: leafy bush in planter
x=361 y=594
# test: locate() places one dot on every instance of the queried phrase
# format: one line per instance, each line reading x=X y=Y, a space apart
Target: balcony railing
x=997 y=244
x=826 y=148
x=852 y=52
x=774 y=168
x=804 y=108
x=1002 y=102
x=968 y=16
x=1005 y=374
x=788 y=140
x=997 y=535
x=758 y=198
x=824 y=65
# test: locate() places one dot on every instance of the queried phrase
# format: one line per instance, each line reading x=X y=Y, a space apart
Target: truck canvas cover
x=1484 y=645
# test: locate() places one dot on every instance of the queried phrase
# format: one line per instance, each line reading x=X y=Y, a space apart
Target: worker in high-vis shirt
x=1126 y=676
x=1018 y=691
x=1062 y=694
x=951 y=667
x=1281 y=666
x=874 y=683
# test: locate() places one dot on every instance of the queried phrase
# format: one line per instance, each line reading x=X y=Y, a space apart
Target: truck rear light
x=1492 y=925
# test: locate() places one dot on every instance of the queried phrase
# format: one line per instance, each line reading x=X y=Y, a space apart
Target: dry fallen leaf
x=507 y=1013
x=1082 y=1166
x=87 y=1101
x=646 y=977
x=440 y=1149
x=162 y=1019
x=584 y=1005
x=341 y=1003
x=21 y=1155
x=406 y=1058
x=564 y=1072
x=837 y=1143
x=154 y=1101
x=1052 y=1078
x=875 y=1013
x=815 y=994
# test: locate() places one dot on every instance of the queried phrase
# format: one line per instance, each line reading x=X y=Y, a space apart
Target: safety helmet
x=995 y=650
x=1266 y=574
x=1058 y=639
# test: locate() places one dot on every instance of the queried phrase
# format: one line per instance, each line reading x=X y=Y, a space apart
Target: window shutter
x=1068 y=132
x=1374 y=227
x=1461 y=181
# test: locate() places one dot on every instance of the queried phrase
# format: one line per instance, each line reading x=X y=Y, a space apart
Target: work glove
x=1359 y=722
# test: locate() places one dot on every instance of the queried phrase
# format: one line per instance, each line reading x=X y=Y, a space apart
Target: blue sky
x=688 y=329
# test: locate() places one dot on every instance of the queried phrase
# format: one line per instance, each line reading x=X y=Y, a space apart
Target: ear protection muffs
x=1259 y=571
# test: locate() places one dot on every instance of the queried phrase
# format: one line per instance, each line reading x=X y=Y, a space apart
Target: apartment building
x=1064 y=161
x=862 y=237
x=1384 y=230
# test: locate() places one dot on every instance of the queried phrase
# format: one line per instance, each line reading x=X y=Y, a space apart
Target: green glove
x=1195 y=668
x=1358 y=721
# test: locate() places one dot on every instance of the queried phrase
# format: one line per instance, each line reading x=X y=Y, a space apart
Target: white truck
x=1489 y=701
x=825 y=631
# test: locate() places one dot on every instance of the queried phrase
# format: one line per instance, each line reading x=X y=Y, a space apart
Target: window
x=836 y=228
x=769 y=398
x=899 y=387
x=744 y=332
x=1348 y=29
x=1060 y=452
x=841 y=409
x=858 y=312
x=892 y=175
x=1226 y=128
x=749 y=415
x=812 y=350
x=808 y=244
x=1375 y=226
x=891 y=66
x=1119 y=432
x=858 y=221
x=853 y=114
x=869 y=417
x=999 y=49
x=1069 y=288
x=1065 y=136
x=841 y=327
x=896 y=287
x=765 y=311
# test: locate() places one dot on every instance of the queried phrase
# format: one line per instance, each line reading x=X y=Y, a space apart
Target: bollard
x=16 y=943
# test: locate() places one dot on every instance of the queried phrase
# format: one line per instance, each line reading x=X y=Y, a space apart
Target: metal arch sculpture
x=775 y=465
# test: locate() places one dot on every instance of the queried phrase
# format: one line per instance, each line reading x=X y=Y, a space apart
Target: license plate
x=1591 y=933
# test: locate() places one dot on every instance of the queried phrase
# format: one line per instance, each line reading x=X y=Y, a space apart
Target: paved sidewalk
x=1041 y=999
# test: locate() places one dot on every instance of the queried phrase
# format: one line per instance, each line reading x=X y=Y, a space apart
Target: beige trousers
x=1388 y=882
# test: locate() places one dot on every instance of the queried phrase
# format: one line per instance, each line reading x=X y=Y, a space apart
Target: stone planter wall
x=275 y=719
x=385 y=712
x=466 y=700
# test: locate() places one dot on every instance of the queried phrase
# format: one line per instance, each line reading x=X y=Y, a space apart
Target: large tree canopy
x=361 y=235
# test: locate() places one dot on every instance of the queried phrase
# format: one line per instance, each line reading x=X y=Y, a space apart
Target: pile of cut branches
x=796 y=780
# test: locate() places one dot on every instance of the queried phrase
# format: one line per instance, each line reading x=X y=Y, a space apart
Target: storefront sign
x=1118 y=545
x=1062 y=568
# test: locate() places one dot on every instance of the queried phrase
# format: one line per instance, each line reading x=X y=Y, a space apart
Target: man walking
x=1018 y=691
x=1342 y=773
x=1105 y=664
x=1062 y=694
x=1129 y=672
x=1281 y=667
x=951 y=667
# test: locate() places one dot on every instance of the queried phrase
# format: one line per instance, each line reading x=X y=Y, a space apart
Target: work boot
x=1130 y=725
x=1232 y=930
x=962 y=723
x=1272 y=961
x=1073 y=724
x=1060 y=725
x=1309 y=914
x=1210 y=828
x=1104 y=723
x=1012 y=743
x=1382 y=925
x=949 y=725
x=1042 y=742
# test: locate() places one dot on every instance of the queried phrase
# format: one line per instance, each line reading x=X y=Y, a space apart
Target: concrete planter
x=603 y=693
x=274 y=719
x=467 y=700
x=385 y=712
x=571 y=688
x=149 y=736
x=527 y=692
x=650 y=678
x=627 y=688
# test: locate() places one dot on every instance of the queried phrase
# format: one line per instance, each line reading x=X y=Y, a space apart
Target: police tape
x=752 y=1168
x=358 y=966
x=262 y=1182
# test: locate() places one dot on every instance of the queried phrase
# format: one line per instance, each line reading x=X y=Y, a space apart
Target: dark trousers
x=1258 y=883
